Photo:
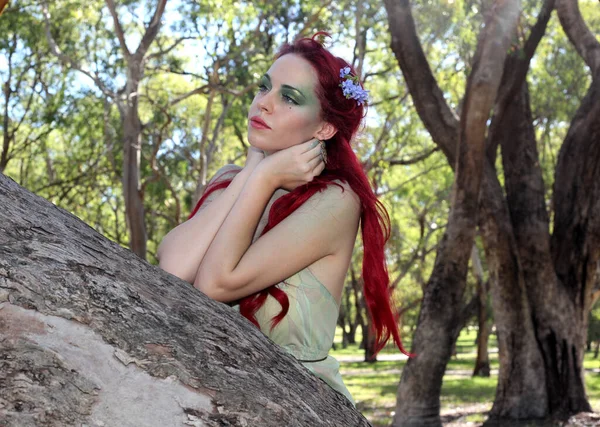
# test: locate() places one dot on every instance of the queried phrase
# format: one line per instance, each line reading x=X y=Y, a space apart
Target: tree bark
x=575 y=253
x=440 y=316
x=92 y=335
x=518 y=393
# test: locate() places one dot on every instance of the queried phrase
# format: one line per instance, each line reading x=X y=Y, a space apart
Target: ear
x=326 y=132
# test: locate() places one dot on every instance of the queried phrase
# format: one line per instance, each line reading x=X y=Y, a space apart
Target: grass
x=374 y=386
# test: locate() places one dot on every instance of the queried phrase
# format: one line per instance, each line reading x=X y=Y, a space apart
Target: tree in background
x=541 y=283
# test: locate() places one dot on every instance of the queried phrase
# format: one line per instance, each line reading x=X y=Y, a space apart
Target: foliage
x=199 y=79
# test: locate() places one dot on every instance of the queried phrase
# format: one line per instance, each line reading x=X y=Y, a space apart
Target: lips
x=258 y=123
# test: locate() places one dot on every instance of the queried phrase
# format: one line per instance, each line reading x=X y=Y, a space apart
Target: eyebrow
x=286 y=86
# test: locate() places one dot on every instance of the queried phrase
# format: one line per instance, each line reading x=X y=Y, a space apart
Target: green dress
x=308 y=329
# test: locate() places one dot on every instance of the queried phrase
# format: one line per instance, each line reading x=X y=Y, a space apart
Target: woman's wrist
x=263 y=177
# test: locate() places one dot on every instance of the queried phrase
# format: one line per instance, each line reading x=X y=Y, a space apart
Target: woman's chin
x=267 y=146
x=258 y=143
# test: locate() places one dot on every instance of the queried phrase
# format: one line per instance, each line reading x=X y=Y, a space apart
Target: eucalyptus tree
x=108 y=58
x=541 y=282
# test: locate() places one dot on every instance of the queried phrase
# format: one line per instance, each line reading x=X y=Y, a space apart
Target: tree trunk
x=352 y=322
x=418 y=402
x=92 y=335
x=521 y=390
x=134 y=199
x=575 y=253
x=369 y=339
x=343 y=321
x=541 y=291
x=360 y=308
x=482 y=363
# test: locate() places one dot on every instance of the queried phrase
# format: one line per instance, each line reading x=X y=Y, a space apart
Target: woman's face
x=286 y=102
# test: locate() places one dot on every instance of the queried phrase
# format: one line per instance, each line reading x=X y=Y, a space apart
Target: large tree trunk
x=575 y=253
x=92 y=335
x=440 y=318
x=541 y=291
x=520 y=392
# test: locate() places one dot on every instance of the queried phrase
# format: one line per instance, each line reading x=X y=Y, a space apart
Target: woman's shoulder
x=337 y=196
x=225 y=173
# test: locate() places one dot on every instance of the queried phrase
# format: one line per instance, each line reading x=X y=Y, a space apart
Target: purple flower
x=344 y=72
x=351 y=88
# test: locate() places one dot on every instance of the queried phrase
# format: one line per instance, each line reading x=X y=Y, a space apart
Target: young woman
x=276 y=236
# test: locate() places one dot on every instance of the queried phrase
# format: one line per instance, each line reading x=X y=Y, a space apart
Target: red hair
x=342 y=164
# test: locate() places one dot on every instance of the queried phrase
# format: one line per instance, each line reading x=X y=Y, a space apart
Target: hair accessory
x=351 y=87
x=323 y=151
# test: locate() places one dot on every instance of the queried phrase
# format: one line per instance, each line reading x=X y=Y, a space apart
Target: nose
x=265 y=102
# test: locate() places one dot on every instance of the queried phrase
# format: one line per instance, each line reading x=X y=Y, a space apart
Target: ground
x=465 y=400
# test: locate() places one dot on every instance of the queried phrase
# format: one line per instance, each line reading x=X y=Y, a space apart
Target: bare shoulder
x=337 y=199
x=227 y=172
x=224 y=173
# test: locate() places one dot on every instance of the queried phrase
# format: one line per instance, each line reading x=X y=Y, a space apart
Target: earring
x=323 y=151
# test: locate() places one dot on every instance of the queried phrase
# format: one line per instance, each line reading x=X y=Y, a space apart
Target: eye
x=262 y=87
x=289 y=100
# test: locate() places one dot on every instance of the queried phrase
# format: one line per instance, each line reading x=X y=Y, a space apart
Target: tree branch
x=438 y=118
x=162 y=52
x=151 y=30
x=416 y=159
x=67 y=60
x=118 y=28
x=579 y=34
x=515 y=71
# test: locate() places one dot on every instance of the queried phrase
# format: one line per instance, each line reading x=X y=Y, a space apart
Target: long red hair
x=342 y=164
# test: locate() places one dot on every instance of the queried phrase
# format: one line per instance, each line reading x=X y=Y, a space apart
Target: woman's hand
x=294 y=166
x=253 y=158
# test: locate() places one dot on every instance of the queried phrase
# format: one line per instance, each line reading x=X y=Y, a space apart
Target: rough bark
x=558 y=273
x=518 y=393
x=92 y=335
x=440 y=316
x=575 y=250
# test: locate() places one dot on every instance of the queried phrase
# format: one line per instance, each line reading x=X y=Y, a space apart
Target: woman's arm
x=233 y=267
x=183 y=248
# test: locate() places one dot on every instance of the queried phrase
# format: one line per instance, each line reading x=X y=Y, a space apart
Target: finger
x=314 y=163
x=309 y=145
x=313 y=152
x=320 y=168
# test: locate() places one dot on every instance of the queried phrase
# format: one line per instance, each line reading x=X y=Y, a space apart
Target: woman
x=277 y=235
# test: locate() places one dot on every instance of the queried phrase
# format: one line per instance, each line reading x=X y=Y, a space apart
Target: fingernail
x=314 y=143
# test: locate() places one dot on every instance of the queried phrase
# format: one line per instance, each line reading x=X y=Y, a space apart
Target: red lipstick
x=258 y=123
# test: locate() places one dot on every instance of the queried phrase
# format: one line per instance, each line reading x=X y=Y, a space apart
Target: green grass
x=374 y=386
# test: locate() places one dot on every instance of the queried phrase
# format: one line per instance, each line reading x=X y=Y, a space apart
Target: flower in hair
x=351 y=87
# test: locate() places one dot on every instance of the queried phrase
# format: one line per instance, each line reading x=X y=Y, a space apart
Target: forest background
x=121 y=113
